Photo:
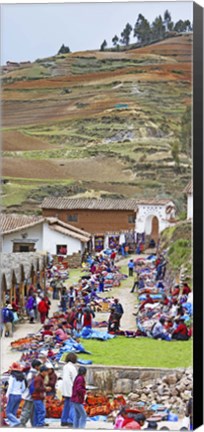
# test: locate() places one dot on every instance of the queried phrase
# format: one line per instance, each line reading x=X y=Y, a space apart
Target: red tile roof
x=64 y=203
x=13 y=222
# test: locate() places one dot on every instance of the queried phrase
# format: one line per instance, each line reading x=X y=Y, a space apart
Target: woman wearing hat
x=16 y=388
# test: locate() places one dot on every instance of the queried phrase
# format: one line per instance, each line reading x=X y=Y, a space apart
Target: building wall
x=190 y=207
x=95 y=221
x=53 y=238
x=145 y=216
x=47 y=240
x=34 y=232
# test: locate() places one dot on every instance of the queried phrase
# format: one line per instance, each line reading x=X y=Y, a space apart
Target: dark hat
x=43 y=369
x=152 y=425
x=35 y=363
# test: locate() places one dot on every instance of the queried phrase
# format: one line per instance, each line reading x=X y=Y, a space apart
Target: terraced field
x=102 y=123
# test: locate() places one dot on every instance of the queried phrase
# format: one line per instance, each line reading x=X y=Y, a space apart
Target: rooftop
x=64 y=203
x=12 y=223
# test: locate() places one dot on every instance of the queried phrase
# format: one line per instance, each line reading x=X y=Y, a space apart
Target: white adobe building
x=189 y=192
x=154 y=216
x=36 y=233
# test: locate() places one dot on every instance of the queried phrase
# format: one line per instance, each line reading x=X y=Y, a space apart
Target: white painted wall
x=190 y=206
x=53 y=238
x=34 y=232
x=47 y=240
x=145 y=215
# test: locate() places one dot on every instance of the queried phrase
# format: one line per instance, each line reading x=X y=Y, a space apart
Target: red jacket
x=39 y=388
x=43 y=307
x=87 y=320
x=181 y=329
x=186 y=290
x=79 y=390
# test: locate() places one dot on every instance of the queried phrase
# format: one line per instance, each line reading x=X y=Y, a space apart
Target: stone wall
x=171 y=387
x=73 y=261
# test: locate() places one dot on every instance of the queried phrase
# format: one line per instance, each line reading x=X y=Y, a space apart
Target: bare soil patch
x=17 y=141
x=96 y=169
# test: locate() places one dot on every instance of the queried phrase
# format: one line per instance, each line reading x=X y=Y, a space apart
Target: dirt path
x=127 y=299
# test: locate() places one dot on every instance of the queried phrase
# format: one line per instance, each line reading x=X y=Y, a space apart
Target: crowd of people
x=164 y=310
x=41 y=380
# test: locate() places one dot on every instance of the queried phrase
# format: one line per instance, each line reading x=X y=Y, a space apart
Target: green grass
x=142 y=352
x=15 y=194
x=20 y=189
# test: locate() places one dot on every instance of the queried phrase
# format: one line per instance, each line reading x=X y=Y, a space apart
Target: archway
x=155 y=228
x=152 y=227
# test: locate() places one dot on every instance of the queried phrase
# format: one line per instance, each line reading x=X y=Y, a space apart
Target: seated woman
x=148 y=300
x=60 y=334
x=159 y=332
x=181 y=332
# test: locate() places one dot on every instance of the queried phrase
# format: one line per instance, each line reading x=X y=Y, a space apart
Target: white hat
x=49 y=365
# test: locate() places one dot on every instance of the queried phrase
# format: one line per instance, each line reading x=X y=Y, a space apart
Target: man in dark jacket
x=118 y=310
x=7 y=319
x=38 y=398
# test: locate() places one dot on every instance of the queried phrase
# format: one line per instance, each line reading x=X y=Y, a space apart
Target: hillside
x=177 y=241
x=96 y=123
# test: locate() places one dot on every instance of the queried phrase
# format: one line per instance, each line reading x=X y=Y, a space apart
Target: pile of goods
x=54 y=407
x=24 y=343
x=98 y=404
x=95 y=404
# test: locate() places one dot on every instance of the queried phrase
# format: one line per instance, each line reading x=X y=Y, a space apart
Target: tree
x=175 y=155
x=103 y=45
x=167 y=19
x=142 y=29
x=171 y=26
x=63 y=50
x=180 y=26
x=125 y=35
x=115 y=40
x=158 y=28
x=188 y=26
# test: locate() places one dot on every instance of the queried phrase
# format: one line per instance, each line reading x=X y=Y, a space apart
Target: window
x=23 y=247
x=72 y=218
x=131 y=218
x=61 y=249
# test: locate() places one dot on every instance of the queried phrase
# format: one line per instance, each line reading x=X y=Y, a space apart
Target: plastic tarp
x=88 y=333
x=188 y=307
x=84 y=362
x=97 y=418
x=153 y=296
x=70 y=346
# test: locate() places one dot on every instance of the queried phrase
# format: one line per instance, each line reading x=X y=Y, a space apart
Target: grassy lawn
x=142 y=352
